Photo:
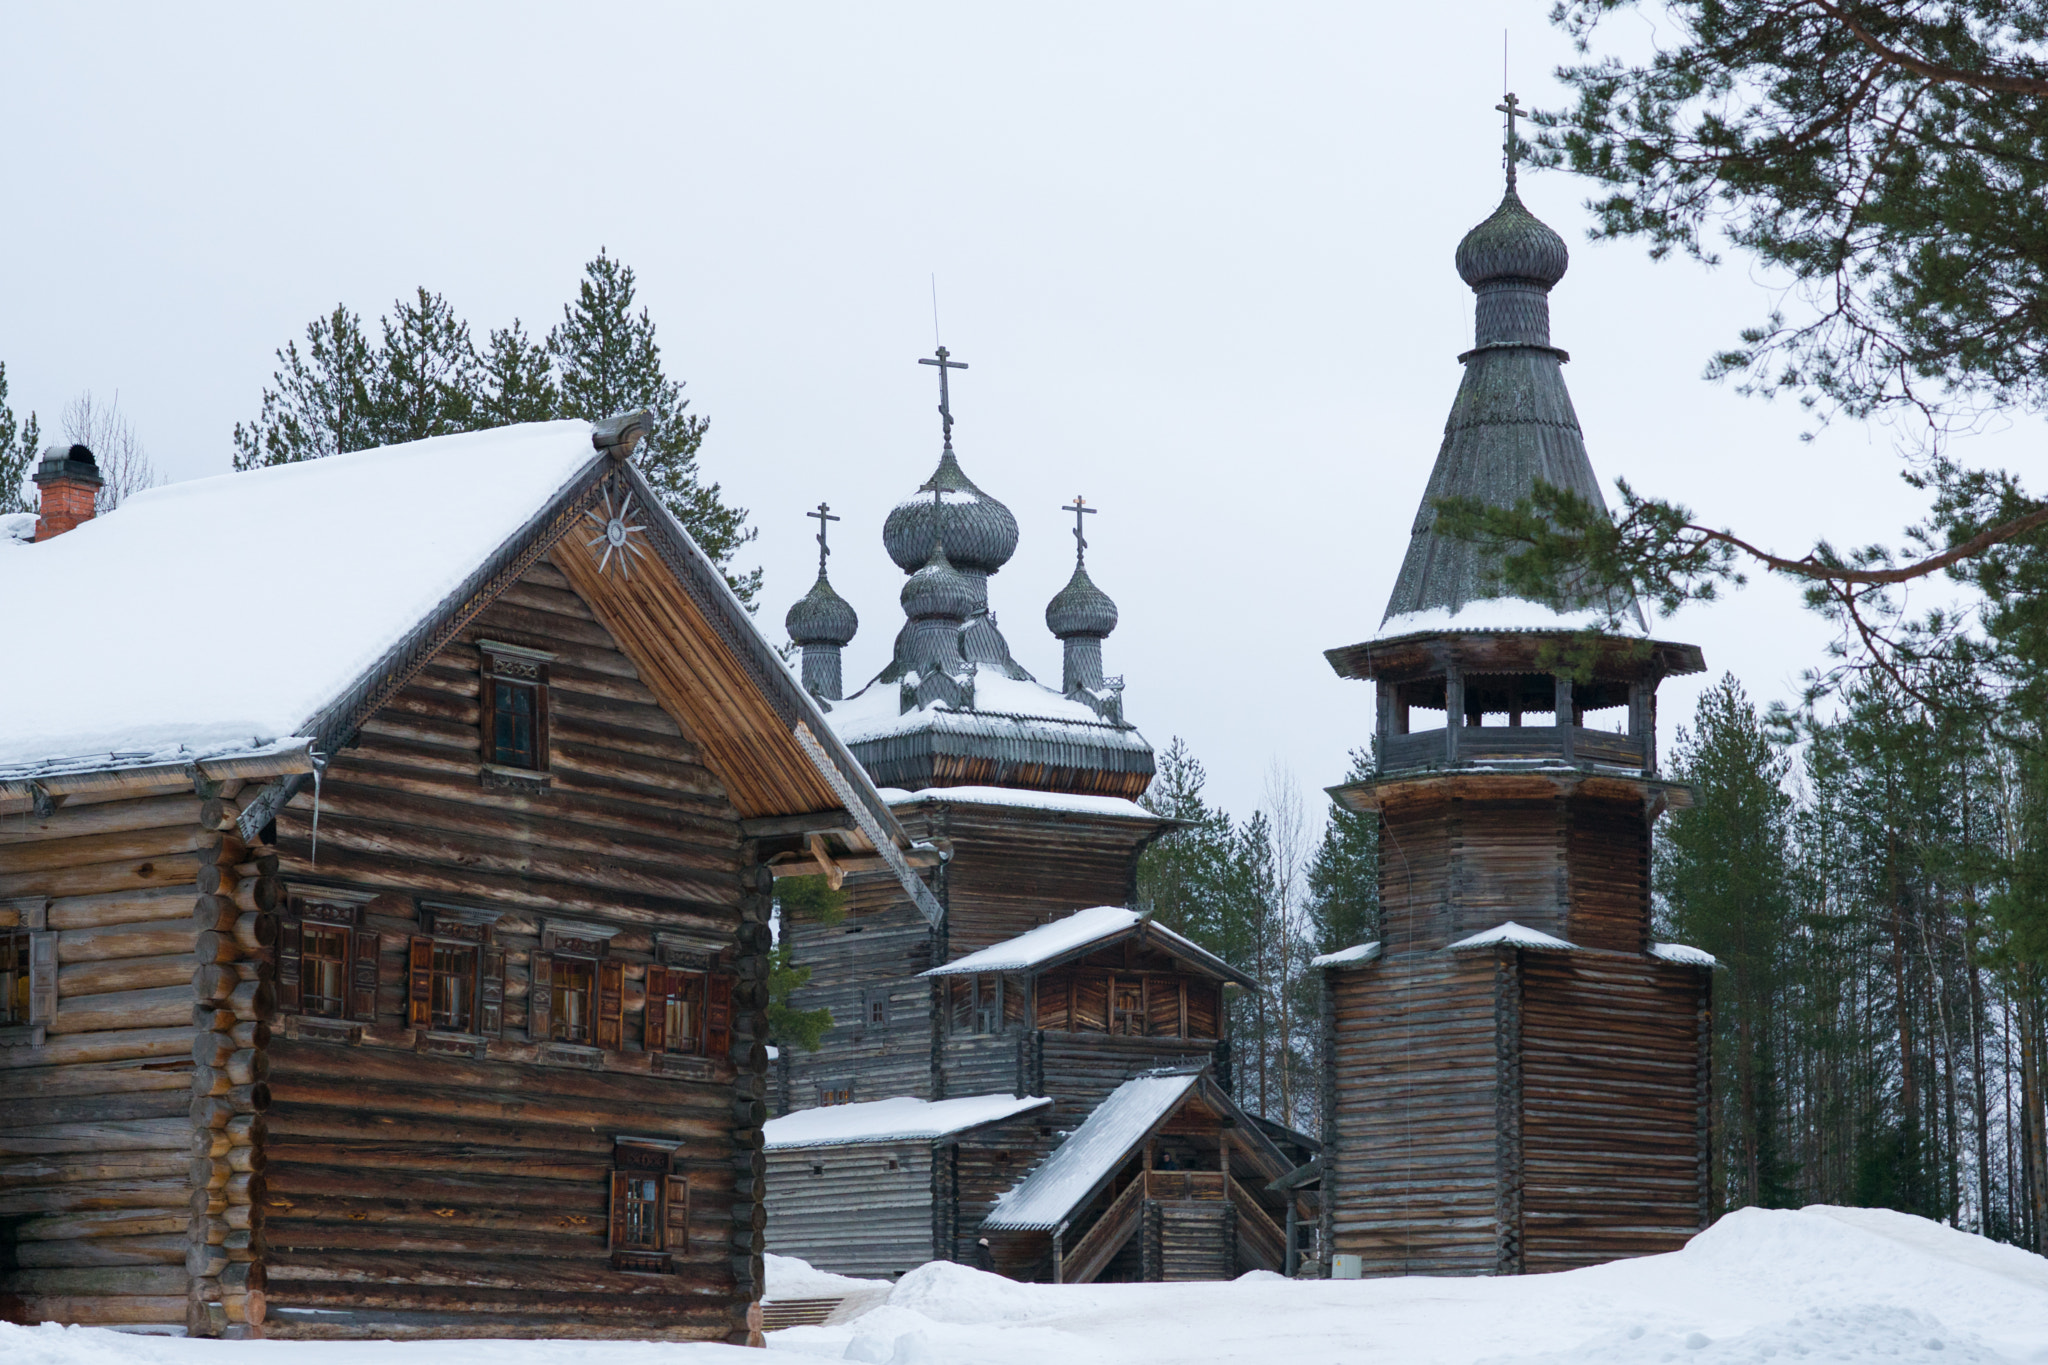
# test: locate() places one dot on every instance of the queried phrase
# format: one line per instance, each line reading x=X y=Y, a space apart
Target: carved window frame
x=513 y=666
x=648 y=1245
x=463 y=928
x=580 y=942
x=333 y=908
x=32 y=985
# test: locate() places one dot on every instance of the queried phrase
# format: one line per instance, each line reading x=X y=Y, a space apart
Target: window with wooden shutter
x=42 y=979
x=419 y=979
x=676 y=1218
x=644 y=1200
x=540 y=1008
x=573 y=991
x=324 y=963
x=362 y=988
x=654 y=1015
x=289 y=1000
x=611 y=1005
x=491 y=995
x=14 y=983
x=718 y=1017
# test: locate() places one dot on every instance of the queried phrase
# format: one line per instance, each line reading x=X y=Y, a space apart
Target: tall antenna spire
x=945 y=396
x=1512 y=108
x=824 y=515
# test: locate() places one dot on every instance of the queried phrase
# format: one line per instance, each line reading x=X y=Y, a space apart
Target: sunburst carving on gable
x=620 y=534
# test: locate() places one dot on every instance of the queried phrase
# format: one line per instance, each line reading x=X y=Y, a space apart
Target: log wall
x=880 y=945
x=812 y=1189
x=96 y=1140
x=1610 y=876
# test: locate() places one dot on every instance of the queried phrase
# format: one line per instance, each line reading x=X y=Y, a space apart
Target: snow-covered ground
x=1818 y=1286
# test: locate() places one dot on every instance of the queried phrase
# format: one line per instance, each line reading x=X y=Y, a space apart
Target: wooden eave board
x=1512 y=651
x=700 y=683
x=1493 y=784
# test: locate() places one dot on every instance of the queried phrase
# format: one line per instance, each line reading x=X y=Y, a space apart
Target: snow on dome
x=1362 y=952
x=1514 y=935
x=110 y=665
x=821 y=617
x=980 y=533
x=1095 y=1149
x=1680 y=953
x=901 y=1119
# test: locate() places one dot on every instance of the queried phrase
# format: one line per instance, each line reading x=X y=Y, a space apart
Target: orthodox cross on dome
x=824 y=515
x=945 y=396
x=1079 y=507
x=1513 y=109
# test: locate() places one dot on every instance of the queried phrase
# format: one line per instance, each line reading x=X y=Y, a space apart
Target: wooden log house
x=399 y=970
x=1021 y=974
x=1520 y=1075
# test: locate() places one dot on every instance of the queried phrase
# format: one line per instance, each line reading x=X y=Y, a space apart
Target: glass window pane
x=574 y=998
x=453 y=998
x=512 y=737
x=323 y=970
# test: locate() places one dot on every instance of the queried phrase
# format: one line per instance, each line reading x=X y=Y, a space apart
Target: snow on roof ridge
x=1079 y=803
x=1503 y=614
x=1514 y=935
x=1685 y=954
x=1047 y=941
x=900 y=1118
x=1358 y=952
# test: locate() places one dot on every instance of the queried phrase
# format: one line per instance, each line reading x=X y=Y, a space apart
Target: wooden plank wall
x=811 y=1190
x=881 y=944
x=989 y=1161
x=96 y=1138
x=1417 y=847
x=1610 y=875
x=1413 y=1150
x=1613 y=1080
x=417 y=1195
x=1510 y=866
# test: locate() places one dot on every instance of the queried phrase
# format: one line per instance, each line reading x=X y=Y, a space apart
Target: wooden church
x=1520 y=1077
x=1018 y=974
x=386 y=957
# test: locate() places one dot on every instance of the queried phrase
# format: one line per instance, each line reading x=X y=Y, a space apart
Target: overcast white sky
x=1198 y=257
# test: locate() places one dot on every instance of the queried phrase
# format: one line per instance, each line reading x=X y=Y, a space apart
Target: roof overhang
x=1421 y=653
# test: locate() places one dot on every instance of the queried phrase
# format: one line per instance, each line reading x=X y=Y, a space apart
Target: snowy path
x=1820 y=1285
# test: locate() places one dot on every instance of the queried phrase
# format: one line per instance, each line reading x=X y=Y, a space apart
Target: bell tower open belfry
x=1520 y=1075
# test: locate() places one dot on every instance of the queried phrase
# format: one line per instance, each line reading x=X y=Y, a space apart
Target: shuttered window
x=326 y=961
x=14 y=975
x=323 y=970
x=514 y=713
x=574 y=991
x=650 y=1209
x=676 y=1012
x=455 y=978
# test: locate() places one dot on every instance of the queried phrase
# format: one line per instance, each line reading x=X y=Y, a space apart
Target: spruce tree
x=1343 y=877
x=1723 y=879
x=18 y=449
x=324 y=402
x=609 y=362
x=426 y=376
x=516 y=380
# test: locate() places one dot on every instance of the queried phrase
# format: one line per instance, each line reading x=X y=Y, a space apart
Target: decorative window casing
x=874 y=1007
x=514 y=710
x=689 y=1013
x=326 y=958
x=455 y=974
x=576 y=991
x=650 y=1207
x=837 y=1092
x=28 y=975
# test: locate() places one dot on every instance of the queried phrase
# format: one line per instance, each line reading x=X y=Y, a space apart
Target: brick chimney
x=69 y=478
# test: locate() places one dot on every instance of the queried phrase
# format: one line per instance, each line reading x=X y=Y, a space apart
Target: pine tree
x=324 y=402
x=426 y=375
x=1723 y=878
x=18 y=450
x=516 y=380
x=1181 y=874
x=1343 y=877
x=609 y=362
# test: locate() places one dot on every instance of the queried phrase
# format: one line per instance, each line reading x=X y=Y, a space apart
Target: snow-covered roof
x=1088 y=1156
x=1515 y=936
x=1679 y=952
x=1360 y=952
x=1078 y=933
x=17 y=528
x=1003 y=704
x=112 y=667
x=902 y=1119
x=1509 y=613
x=1115 y=807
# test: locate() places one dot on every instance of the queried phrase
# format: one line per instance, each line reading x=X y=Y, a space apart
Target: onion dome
x=980 y=533
x=1080 y=608
x=938 y=590
x=1512 y=244
x=821 y=617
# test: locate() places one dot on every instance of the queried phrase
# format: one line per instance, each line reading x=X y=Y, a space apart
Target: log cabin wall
x=980 y=1166
x=811 y=1189
x=1418 y=843
x=874 y=953
x=1412 y=1154
x=1609 y=843
x=1614 y=1079
x=96 y=1131
x=432 y=1181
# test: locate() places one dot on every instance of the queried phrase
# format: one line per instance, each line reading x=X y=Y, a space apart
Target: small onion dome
x=938 y=590
x=1081 y=608
x=821 y=617
x=1513 y=244
x=981 y=534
